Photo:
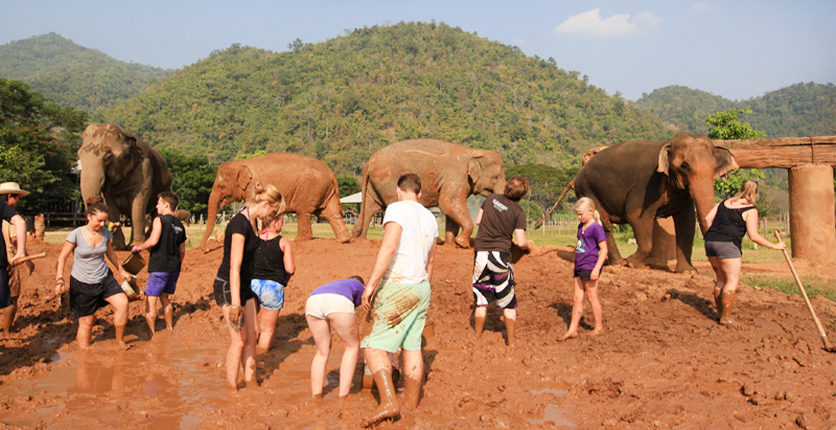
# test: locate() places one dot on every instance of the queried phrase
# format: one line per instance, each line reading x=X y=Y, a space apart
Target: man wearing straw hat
x=14 y=247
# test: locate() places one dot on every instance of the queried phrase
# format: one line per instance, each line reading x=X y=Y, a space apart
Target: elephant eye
x=685 y=165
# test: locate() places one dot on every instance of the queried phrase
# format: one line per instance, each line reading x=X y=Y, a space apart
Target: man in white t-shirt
x=400 y=286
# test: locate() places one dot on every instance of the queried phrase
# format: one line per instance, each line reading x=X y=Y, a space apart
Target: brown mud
x=661 y=362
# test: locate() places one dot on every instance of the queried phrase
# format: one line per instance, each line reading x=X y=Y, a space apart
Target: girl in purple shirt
x=590 y=254
x=333 y=305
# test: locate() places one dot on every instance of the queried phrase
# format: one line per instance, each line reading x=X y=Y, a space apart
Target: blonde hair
x=270 y=194
x=585 y=204
x=748 y=191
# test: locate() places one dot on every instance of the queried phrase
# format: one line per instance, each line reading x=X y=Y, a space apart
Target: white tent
x=354 y=198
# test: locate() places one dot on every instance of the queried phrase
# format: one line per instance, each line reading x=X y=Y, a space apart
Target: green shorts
x=400 y=311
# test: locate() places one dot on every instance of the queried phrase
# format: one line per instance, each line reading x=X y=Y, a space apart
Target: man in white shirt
x=400 y=287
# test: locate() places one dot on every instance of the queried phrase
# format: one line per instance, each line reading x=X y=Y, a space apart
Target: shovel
x=827 y=345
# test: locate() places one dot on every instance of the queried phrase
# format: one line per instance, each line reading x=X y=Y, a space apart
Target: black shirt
x=500 y=217
x=165 y=255
x=728 y=225
x=6 y=212
x=241 y=225
x=269 y=261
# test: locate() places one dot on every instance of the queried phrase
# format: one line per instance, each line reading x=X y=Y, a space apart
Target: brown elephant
x=184 y=216
x=119 y=167
x=636 y=182
x=308 y=186
x=449 y=173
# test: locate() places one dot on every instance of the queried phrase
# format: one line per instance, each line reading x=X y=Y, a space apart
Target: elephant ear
x=725 y=161
x=245 y=177
x=663 y=165
x=133 y=155
x=474 y=169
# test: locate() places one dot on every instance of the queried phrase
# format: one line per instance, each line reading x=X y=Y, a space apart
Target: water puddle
x=156 y=387
x=553 y=413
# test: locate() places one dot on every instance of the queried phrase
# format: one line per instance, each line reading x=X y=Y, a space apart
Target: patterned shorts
x=493 y=279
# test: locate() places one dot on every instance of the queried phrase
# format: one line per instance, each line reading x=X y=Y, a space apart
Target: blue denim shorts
x=270 y=293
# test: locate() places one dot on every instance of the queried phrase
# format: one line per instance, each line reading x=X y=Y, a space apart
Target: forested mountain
x=343 y=99
x=72 y=75
x=797 y=110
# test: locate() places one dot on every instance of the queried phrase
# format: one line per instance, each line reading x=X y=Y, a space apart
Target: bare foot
x=597 y=331
x=726 y=321
x=568 y=335
x=253 y=383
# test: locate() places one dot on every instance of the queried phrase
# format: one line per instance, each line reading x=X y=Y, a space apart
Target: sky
x=737 y=49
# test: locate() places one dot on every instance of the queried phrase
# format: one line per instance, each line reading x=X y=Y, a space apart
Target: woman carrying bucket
x=92 y=284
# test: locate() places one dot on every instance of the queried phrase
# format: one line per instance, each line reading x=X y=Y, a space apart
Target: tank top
x=269 y=261
x=728 y=225
x=165 y=255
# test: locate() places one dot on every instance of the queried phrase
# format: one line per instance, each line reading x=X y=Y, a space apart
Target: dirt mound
x=662 y=362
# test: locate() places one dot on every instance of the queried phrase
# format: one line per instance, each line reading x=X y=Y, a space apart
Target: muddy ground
x=663 y=362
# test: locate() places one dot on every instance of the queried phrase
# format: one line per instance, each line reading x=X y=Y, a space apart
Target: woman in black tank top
x=729 y=221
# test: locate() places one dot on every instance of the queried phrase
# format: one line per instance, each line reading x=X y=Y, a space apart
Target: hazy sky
x=736 y=49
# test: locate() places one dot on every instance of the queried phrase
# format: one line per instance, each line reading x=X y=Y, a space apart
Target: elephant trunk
x=92 y=181
x=702 y=193
x=214 y=202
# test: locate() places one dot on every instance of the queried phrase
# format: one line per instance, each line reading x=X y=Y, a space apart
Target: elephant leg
x=452 y=201
x=664 y=244
x=368 y=209
x=118 y=240
x=613 y=255
x=333 y=212
x=138 y=207
x=685 y=225
x=304 y=230
x=643 y=230
x=451 y=230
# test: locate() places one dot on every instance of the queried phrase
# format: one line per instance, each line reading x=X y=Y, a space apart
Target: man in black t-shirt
x=499 y=219
x=9 y=214
x=168 y=249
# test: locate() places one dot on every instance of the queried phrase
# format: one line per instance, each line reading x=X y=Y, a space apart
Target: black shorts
x=223 y=294
x=86 y=299
x=722 y=250
x=5 y=289
x=583 y=274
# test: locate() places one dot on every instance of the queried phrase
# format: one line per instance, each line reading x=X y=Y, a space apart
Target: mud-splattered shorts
x=400 y=311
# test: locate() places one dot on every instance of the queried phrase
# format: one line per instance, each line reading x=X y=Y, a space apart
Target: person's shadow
x=691 y=299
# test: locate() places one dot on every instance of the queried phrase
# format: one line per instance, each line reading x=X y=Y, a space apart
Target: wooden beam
x=784 y=153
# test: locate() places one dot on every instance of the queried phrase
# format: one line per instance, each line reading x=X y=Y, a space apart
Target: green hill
x=797 y=110
x=72 y=75
x=343 y=99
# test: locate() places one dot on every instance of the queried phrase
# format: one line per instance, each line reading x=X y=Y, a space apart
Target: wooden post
x=812 y=220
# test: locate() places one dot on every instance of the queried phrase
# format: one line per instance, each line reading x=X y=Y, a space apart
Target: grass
x=814 y=285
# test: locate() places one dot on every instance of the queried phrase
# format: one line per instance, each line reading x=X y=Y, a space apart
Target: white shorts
x=322 y=305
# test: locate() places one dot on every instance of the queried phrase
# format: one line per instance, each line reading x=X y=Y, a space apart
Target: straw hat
x=12 y=188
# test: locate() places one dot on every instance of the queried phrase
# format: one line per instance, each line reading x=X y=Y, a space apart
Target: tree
x=192 y=180
x=724 y=126
x=546 y=183
x=38 y=144
x=348 y=185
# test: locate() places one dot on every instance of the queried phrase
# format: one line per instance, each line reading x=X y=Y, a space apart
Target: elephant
x=308 y=187
x=184 y=216
x=449 y=173
x=637 y=182
x=122 y=169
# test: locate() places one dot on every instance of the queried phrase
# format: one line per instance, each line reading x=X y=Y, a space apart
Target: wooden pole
x=783 y=153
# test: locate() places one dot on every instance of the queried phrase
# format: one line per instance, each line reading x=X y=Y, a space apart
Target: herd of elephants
x=633 y=182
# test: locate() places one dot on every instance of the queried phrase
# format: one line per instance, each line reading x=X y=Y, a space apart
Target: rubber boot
x=412 y=392
x=718 y=301
x=510 y=330
x=728 y=304
x=389 y=407
x=7 y=318
x=479 y=326
x=368 y=379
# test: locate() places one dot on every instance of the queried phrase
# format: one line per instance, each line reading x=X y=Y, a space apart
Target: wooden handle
x=29 y=257
x=827 y=345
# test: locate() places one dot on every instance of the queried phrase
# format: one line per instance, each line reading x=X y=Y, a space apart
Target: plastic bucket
x=130 y=288
x=134 y=263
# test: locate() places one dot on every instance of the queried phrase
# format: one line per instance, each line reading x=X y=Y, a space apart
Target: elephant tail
x=569 y=186
x=362 y=225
